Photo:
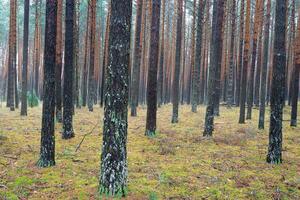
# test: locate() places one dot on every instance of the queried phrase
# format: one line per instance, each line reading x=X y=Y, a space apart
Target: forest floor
x=176 y=164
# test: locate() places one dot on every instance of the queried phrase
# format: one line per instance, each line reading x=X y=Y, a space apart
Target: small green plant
x=153 y=196
x=32 y=99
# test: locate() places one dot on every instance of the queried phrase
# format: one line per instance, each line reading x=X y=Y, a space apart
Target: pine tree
x=197 y=67
x=113 y=170
x=152 y=70
x=91 y=80
x=215 y=60
x=296 y=71
x=25 y=59
x=177 y=61
x=136 y=60
x=12 y=57
x=68 y=131
x=47 y=152
x=230 y=80
x=250 y=92
x=245 y=65
x=263 y=81
x=58 y=62
x=278 y=85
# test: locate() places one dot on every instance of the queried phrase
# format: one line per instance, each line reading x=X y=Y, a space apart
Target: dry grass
x=176 y=164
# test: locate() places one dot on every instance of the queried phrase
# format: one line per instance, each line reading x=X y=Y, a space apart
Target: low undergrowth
x=178 y=163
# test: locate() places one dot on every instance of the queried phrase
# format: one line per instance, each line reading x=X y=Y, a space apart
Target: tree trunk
x=161 y=57
x=240 y=62
x=215 y=60
x=257 y=21
x=230 y=92
x=47 y=151
x=58 y=62
x=91 y=83
x=12 y=57
x=196 y=72
x=296 y=71
x=245 y=66
x=264 y=71
x=136 y=60
x=113 y=172
x=278 y=85
x=68 y=71
x=152 y=70
x=177 y=62
x=25 y=59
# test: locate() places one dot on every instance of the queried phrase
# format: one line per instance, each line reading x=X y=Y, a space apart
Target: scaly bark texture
x=47 y=152
x=245 y=65
x=58 y=62
x=296 y=71
x=274 y=155
x=136 y=60
x=152 y=70
x=215 y=60
x=113 y=172
x=264 y=71
x=177 y=62
x=68 y=72
x=25 y=59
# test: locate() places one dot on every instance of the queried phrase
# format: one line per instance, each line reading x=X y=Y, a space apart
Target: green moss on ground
x=178 y=163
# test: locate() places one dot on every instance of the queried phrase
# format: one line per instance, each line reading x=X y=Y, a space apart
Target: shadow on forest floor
x=176 y=164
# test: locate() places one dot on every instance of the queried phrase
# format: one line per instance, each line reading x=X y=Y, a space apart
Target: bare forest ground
x=176 y=164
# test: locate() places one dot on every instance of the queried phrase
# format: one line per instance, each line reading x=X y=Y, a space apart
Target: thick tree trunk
x=278 y=85
x=152 y=70
x=113 y=172
x=68 y=71
x=215 y=60
x=47 y=152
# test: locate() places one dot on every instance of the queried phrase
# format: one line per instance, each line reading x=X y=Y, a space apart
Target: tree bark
x=113 y=172
x=136 y=60
x=47 y=151
x=263 y=81
x=68 y=71
x=152 y=70
x=25 y=59
x=215 y=60
x=274 y=155
x=177 y=62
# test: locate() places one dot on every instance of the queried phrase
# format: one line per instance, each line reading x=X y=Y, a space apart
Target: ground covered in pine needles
x=176 y=164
